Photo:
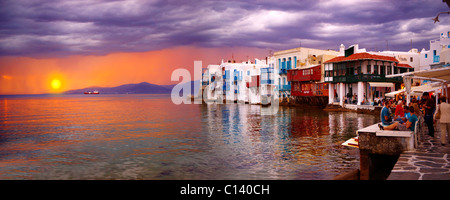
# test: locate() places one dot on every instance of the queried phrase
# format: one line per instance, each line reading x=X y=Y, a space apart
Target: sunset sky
x=86 y=43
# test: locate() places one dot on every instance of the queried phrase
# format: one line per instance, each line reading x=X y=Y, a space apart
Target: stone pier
x=379 y=150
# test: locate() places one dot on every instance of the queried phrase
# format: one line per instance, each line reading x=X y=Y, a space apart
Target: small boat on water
x=352 y=142
x=94 y=92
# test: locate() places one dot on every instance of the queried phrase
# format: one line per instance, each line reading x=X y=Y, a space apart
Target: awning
x=413 y=93
x=417 y=90
x=392 y=94
x=381 y=84
x=425 y=88
x=440 y=74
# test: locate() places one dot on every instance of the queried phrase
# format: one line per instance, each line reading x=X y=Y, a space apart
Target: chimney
x=341 y=49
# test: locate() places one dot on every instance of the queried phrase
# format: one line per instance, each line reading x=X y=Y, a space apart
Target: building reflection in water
x=303 y=142
x=148 y=137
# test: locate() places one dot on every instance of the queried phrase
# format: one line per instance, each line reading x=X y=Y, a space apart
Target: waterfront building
x=268 y=76
x=232 y=82
x=252 y=85
x=359 y=77
x=350 y=75
x=296 y=58
x=307 y=86
x=211 y=84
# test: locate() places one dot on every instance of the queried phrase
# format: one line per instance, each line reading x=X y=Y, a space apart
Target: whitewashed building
x=233 y=82
x=439 y=53
x=268 y=89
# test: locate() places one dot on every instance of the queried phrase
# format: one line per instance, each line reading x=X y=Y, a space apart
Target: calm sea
x=148 y=137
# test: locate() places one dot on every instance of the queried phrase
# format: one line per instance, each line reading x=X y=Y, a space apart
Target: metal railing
x=284 y=87
x=365 y=78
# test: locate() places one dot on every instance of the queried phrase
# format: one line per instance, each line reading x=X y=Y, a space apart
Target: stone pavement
x=429 y=161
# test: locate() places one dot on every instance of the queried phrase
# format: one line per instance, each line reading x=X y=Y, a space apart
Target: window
x=248 y=73
x=375 y=69
x=297 y=87
x=434 y=52
x=410 y=59
x=426 y=55
x=369 y=69
x=289 y=63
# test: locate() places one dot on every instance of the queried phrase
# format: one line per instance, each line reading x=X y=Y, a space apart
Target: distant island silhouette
x=137 y=88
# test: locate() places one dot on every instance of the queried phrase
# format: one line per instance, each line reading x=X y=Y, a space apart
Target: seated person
x=408 y=126
x=407 y=114
x=386 y=119
x=404 y=118
x=399 y=112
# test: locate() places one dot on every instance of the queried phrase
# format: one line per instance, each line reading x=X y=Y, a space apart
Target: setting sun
x=56 y=84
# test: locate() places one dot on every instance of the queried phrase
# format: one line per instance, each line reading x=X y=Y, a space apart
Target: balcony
x=285 y=65
x=267 y=81
x=282 y=71
x=364 y=78
x=266 y=70
x=284 y=87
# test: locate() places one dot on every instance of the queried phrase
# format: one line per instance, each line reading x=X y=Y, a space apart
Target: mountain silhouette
x=138 y=88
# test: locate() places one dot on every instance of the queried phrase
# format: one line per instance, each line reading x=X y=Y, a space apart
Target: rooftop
x=403 y=65
x=362 y=56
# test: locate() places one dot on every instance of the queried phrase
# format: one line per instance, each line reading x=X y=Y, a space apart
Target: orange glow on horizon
x=25 y=75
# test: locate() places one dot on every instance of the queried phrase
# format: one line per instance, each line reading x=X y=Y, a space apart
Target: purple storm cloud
x=98 y=27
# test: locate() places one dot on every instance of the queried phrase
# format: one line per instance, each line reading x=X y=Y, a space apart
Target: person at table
x=408 y=126
x=399 y=112
x=386 y=119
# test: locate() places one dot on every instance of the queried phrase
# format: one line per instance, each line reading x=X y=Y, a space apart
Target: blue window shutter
x=295 y=61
